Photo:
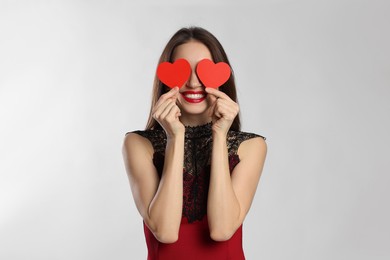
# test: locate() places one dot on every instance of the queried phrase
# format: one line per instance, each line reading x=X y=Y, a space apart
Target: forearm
x=223 y=209
x=165 y=209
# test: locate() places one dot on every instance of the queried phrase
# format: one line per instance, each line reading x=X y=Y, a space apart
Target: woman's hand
x=167 y=113
x=222 y=110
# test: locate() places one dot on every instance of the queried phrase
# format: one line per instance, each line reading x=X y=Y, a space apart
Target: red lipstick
x=194 y=96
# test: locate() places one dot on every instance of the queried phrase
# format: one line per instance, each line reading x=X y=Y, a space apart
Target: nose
x=193 y=81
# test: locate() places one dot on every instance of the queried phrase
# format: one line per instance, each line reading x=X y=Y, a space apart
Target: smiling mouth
x=194 y=96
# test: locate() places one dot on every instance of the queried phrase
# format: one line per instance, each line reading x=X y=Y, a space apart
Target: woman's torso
x=194 y=240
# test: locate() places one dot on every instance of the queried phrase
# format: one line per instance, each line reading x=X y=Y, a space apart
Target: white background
x=312 y=76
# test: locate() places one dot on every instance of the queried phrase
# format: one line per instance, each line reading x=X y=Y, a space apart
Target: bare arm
x=230 y=196
x=158 y=201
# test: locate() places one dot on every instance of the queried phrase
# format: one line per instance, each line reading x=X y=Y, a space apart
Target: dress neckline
x=198 y=131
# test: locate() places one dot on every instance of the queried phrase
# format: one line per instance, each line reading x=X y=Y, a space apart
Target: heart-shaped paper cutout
x=213 y=75
x=174 y=74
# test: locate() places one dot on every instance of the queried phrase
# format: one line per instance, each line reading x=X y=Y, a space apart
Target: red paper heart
x=174 y=74
x=213 y=75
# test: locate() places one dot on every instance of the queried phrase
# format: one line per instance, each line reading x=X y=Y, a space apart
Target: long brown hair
x=218 y=54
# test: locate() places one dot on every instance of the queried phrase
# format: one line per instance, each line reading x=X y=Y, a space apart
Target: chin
x=193 y=108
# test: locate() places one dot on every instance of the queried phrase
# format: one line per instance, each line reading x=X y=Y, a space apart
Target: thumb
x=211 y=99
x=211 y=103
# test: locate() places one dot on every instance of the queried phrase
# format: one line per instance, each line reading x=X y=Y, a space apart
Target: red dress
x=194 y=240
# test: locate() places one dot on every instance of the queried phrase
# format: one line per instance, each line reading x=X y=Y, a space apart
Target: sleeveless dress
x=194 y=240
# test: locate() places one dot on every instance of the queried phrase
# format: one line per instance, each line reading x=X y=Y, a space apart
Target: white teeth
x=194 y=96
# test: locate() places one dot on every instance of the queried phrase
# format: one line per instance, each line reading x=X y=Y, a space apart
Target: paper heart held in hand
x=175 y=74
x=210 y=74
x=213 y=75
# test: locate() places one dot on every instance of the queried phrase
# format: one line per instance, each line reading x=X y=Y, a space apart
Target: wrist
x=175 y=136
x=219 y=135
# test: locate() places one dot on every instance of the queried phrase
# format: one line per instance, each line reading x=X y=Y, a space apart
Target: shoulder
x=152 y=139
x=250 y=147
x=243 y=140
x=134 y=141
x=255 y=146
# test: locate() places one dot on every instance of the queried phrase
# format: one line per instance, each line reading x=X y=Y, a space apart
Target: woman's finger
x=159 y=110
x=217 y=93
x=211 y=98
x=160 y=103
x=211 y=101
x=174 y=112
x=227 y=110
x=167 y=95
x=167 y=109
x=212 y=105
x=228 y=106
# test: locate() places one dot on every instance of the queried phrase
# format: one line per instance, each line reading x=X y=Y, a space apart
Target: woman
x=193 y=173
